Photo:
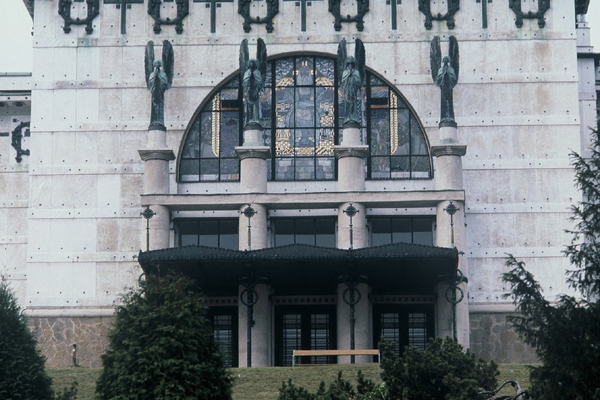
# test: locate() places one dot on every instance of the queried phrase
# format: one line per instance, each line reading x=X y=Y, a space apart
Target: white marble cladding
x=76 y=211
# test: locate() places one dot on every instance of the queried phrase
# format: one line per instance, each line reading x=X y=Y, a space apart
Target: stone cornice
x=449 y=150
x=156 y=154
x=351 y=151
x=262 y=152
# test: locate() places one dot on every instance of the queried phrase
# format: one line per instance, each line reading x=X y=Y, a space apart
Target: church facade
x=312 y=216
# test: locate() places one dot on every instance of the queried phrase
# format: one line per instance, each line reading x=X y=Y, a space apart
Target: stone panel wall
x=56 y=337
x=493 y=338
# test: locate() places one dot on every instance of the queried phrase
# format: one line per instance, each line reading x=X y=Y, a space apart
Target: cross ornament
x=213 y=5
x=484 y=19
x=123 y=5
x=303 y=4
x=394 y=12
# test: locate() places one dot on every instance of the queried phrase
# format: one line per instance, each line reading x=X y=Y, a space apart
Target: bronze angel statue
x=351 y=76
x=444 y=72
x=252 y=78
x=159 y=81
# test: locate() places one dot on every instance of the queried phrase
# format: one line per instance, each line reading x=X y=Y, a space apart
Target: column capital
x=351 y=151
x=449 y=150
x=156 y=154
x=262 y=152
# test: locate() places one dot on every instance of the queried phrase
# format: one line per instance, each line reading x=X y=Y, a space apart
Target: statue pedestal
x=156 y=157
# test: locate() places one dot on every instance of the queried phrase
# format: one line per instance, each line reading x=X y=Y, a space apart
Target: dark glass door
x=225 y=332
x=304 y=328
x=403 y=325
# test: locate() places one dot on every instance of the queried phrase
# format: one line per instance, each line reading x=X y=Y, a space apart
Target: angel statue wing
x=342 y=54
x=244 y=58
x=261 y=58
x=453 y=53
x=149 y=61
x=435 y=57
x=359 y=55
x=168 y=60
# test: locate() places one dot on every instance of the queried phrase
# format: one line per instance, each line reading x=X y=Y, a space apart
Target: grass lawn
x=264 y=383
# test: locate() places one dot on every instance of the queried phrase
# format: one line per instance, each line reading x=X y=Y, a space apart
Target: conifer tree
x=161 y=346
x=22 y=371
x=566 y=333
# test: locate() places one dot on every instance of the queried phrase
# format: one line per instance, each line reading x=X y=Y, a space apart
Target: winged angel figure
x=445 y=77
x=351 y=76
x=253 y=80
x=159 y=81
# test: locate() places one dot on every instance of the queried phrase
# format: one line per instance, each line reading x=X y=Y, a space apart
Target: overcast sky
x=16 y=27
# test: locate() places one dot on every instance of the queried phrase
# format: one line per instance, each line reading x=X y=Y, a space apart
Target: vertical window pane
x=304 y=71
x=325 y=72
x=209 y=170
x=325 y=229
x=319 y=336
x=284 y=232
x=229 y=234
x=305 y=231
x=417 y=330
x=191 y=148
x=305 y=168
x=381 y=231
x=423 y=231
x=390 y=330
x=223 y=335
x=292 y=336
x=208 y=233
x=401 y=230
x=189 y=170
x=418 y=145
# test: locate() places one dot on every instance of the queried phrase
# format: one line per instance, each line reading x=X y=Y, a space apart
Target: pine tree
x=161 y=346
x=566 y=333
x=22 y=372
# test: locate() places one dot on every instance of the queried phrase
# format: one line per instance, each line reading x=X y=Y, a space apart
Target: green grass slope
x=264 y=383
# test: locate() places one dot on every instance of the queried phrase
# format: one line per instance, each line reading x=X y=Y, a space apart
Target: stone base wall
x=56 y=337
x=493 y=338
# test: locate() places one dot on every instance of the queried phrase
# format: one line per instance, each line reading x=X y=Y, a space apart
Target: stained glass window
x=302 y=115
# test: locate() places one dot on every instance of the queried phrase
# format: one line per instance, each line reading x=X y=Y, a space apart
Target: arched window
x=302 y=117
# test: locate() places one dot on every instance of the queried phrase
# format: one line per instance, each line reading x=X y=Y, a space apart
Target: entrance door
x=403 y=325
x=225 y=332
x=304 y=328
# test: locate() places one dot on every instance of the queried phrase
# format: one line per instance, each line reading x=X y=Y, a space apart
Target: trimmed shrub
x=162 y=347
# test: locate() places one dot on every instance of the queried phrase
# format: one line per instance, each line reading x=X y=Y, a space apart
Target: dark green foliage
x=443 y=371
x=22 y=371
x=340 y=389
x=293 y=392
x=161 y=346
x=68 y=393
x=566 y=333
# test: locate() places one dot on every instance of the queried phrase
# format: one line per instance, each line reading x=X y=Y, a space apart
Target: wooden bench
x=314 y=353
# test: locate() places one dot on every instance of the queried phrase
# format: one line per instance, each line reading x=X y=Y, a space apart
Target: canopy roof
x=304 y=269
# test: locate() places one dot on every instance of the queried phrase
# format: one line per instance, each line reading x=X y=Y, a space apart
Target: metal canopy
x=303 y=269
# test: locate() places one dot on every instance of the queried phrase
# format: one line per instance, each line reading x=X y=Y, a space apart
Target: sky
x=16 y=40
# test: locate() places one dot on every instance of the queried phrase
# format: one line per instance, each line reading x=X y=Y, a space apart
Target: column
x=253 y=236
x=448 y=176
x=351 y=154
x=261 y=328
x=156 y=157
x=362 y=321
